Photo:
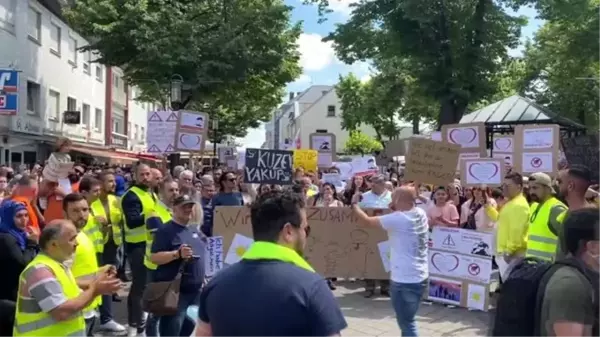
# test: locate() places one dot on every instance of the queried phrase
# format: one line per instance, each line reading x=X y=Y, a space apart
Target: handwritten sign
x=431 y=162
x=268 y=167
x=338 y=246
x=214 y=255
x=583 y=150
x=306 y=159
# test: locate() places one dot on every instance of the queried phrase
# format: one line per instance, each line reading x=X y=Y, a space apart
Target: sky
x=319 y=62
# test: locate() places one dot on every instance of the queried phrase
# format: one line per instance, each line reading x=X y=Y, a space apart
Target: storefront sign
x=9 y=92
x=26 y=125
x=118 y=141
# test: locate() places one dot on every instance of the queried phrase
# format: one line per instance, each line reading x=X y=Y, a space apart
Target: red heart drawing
x=444 y=263
x=536 y=162
x=189 y=141
x=503 y=143
x=483 y=171
x=462 y=136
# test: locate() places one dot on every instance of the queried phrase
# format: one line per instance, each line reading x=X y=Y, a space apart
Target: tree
x=234 y=56
x=453 y=46
x=360 y=143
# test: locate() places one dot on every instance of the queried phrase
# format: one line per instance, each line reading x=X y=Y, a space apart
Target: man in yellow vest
x=168 y=191
x=544 y=226
x=136 y=204
x=50 y=302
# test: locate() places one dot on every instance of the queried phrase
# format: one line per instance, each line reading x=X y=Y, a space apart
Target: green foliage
x=360 y=143
x=234 y=56
x=452 y=47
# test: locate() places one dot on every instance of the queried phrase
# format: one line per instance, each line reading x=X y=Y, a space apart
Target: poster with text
x=264 y=166
x=431 y=162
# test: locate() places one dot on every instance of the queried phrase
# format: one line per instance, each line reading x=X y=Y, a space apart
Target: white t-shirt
x=408 y=236
x=372 y=200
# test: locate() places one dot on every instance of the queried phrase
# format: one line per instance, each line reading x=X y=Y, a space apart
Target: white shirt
x=372 y=200
x=408 y=236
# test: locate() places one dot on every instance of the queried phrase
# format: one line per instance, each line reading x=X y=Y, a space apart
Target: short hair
x=166 y=181
x=186 y=172
x=516 y=178
x=497 y=193
x=102 y=175
x=71 y=198
x=271 y=211
x=86 y=184
x=581 y=173
x=50 y=232
x=579 y=227
x=25 y=180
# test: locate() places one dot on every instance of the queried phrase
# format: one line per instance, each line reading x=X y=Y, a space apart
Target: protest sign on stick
x=268 y=167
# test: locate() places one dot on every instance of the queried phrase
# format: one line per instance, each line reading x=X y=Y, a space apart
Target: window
x=129 y=129
x=7 y=14
x=53 y=105
x=98 y=120
x=71 y=104
x=55 y=37
x=118 y=124
x=116 y=81
x=73 y=51
x=142 y=134
x=135 y=135
x=99 y=72
x=87 y=57
x=85 y=115
x=331 y=111
x=33 y=98
x=34 y=25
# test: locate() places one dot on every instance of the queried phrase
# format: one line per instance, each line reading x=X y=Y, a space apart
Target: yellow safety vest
x=92 y=230
x=138 y=234
x=116 y=216
x=85 y=265
x=31 y=320
x=165 y=216
x=541 y=242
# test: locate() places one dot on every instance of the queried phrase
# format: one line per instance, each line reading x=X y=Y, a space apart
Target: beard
x=299 y=247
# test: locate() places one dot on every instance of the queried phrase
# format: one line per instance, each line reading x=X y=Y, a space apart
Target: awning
x=110 y=157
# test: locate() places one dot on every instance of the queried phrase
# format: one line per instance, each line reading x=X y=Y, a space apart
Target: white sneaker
x=112 y=326
x=132 y=331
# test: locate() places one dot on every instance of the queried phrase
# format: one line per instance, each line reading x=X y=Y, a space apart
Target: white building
x=317 y=109
x=138 y=121
x=54 y=77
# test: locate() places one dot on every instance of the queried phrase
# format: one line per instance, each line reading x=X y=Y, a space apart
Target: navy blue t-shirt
x=228 y=199
x=269 y=298
x=170 y=237
x=207 y=210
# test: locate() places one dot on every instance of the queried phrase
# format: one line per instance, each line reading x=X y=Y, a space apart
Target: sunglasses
x=232 y=179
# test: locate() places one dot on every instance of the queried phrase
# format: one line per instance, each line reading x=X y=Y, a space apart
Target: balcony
x=118 y=140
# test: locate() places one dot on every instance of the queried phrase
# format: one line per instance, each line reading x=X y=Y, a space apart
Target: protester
x=276 y=289
x=443 y=212
x=25 y=192
x=473 y=215
x=326 y=198
x=407 y=231
x=206 y=201
x=227 y=196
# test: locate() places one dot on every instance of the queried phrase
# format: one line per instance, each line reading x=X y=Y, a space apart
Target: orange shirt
x=54 y=209
x=34 y=224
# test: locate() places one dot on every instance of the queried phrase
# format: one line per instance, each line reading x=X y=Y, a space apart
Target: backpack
x=518 y=309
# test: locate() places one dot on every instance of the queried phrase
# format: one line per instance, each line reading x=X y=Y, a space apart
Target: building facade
x=55 y=76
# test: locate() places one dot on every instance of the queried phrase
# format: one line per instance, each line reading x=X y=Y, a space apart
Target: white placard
x=467 y=137
x=483 y=172
x=385 y=254
x=463 y=241
x=503 y=144
x=160 y=133
x=538 y=138
x=476 y=296
x=537 y=162
x=214 y=255
x=238 y=248
x=460 y=266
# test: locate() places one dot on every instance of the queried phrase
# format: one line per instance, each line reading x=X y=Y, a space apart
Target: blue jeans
x=179 y=324
x=406 y=298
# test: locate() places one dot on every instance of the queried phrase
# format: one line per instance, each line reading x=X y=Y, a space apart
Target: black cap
x=183 y=200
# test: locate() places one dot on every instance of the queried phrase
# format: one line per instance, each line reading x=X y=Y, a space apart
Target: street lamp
x=176 y=88
x=215 y=127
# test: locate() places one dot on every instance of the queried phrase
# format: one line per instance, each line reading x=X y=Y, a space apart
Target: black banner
x=583 y=150
x=269 y=167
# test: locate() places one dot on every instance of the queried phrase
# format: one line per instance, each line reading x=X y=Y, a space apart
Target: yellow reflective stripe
x=135 y=231
x=540 y=254
x=41 y=323
x=542 y=239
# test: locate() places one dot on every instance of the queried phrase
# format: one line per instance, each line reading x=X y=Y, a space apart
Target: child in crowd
x=52 y=171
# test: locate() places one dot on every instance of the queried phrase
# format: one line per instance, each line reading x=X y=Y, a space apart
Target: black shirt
x=13 y=261
x=269 y=298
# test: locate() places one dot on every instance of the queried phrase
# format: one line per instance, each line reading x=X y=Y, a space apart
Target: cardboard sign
x=431 y=162
x=325 y=145
x=337 y=246
x=460 y=266
x=583 y=150
x=268 y=167
x=306 y=159
x=537 y=148
x=482 y=171
x=471 y=137
x=190 y=133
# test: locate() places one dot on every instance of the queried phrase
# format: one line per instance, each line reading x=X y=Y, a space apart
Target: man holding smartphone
x=177 y=248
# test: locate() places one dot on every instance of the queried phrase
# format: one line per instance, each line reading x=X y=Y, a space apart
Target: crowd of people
x=67 y=249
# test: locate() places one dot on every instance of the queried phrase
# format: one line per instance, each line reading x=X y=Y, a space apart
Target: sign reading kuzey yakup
x=268 y=167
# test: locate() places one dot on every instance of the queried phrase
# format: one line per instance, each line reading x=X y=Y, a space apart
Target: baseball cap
x=183 y=200
x=541 y=179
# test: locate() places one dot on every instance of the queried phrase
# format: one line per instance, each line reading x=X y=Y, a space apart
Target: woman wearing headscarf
x=18 y=248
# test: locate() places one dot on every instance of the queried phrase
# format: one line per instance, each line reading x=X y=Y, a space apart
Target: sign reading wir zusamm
x=268 y=166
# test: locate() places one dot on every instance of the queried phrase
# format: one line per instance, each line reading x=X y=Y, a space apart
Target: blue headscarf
x=8 y=209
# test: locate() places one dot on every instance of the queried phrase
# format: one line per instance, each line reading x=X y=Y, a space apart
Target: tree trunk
x=415 y=125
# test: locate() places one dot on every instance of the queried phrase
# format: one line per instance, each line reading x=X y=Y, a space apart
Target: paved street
x=375 y=317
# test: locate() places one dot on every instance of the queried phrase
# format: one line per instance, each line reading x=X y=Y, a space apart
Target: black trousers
x=135 y=313
x=7 y=317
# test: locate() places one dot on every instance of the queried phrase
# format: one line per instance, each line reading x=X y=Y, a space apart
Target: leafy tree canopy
x=453 y=47
x=360 y=143
x=235 y=56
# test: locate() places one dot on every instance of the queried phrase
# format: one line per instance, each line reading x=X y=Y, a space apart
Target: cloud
x=342 y=6
x=302 y=79
x=315 y=54
x=365 y=78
